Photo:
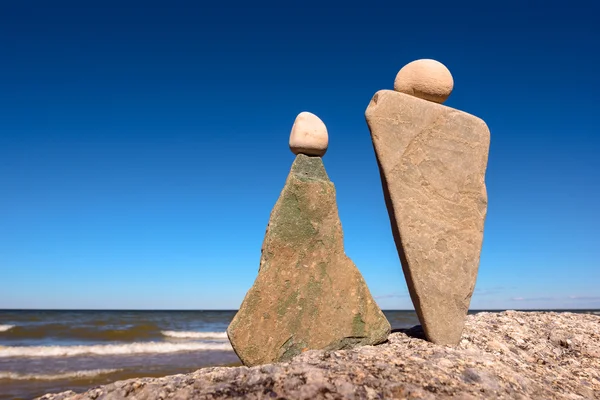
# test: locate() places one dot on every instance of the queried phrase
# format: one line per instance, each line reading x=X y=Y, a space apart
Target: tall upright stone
x=308 y=293
x=432 y=160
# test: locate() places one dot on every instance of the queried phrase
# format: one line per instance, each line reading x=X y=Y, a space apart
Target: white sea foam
x=195 y=335
x=4 y=328
x=53 y=377
x=109 y=349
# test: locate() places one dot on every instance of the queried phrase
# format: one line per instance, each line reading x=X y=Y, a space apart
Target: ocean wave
x=55 y=377
x=195 y=335
x=146 y=331
x=109 y=349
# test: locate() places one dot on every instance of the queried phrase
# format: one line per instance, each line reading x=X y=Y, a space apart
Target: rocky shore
x=509 y=355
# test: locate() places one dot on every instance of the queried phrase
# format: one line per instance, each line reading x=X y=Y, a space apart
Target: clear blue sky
x=144 y=144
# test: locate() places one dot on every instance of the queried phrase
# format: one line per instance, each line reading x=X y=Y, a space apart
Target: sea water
x=53 y=351
x=49 y=351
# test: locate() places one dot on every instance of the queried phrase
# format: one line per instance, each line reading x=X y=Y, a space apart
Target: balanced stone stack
x=432 y=160
x=308 y=293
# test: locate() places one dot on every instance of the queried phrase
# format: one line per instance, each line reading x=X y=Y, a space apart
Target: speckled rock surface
x=508 y=355
x=308 y=293
x=432 y=161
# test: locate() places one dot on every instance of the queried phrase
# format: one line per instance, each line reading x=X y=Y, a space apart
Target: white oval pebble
x=309 y=135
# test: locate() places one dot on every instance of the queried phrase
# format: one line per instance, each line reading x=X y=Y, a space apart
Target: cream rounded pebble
x=426 y=79
x=309 y=135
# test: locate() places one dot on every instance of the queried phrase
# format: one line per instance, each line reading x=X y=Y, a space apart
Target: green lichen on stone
x=293 y=225
x=380 y=331
x=251 y=302
x=349 y=342
x=296 y=323
x=314 y=288
x=309 y=168
x=323 y=272
x=252 y=351
x=266 y=256
x=323 y=269
x=301 y=258
x=290 y=349
x=287 y=303
x=358 y=326
x=295 y=304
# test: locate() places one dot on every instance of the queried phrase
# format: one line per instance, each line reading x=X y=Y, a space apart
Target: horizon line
x=231 y=309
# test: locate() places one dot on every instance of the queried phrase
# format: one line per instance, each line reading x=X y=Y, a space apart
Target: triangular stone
x=432 y=161
x=308 y=293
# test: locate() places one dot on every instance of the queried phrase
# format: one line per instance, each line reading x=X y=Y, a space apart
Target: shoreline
x=511 y=354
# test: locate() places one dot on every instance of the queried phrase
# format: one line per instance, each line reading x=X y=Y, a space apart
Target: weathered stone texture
x=308 y=293
x=509 y=355
x=432 y=161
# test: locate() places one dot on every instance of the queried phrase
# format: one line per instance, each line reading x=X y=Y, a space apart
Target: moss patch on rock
x=315 y=296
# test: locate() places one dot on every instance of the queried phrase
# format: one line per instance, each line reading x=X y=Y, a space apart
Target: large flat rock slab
x=308 y=293
x=509 y=355
x=432 y=161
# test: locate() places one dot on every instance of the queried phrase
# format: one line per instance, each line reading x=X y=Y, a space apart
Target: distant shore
x=538 y=355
